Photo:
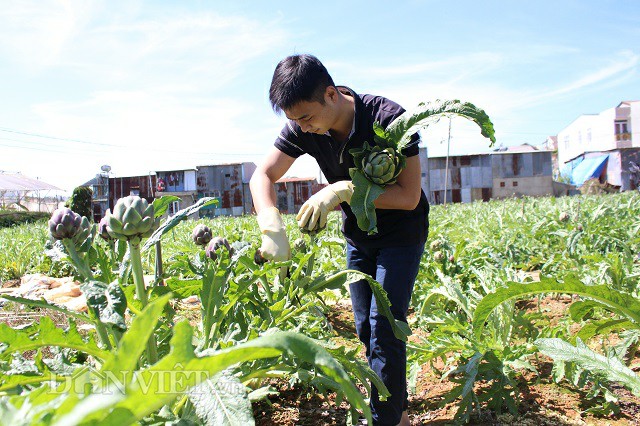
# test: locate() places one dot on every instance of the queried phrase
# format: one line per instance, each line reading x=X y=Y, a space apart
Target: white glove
x=275 y=244
x=314 y=212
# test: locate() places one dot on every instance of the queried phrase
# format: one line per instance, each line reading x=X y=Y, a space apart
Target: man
x=326 y=121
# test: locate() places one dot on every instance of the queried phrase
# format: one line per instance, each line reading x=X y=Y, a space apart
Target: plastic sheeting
x=588 y=168
x=19 y=182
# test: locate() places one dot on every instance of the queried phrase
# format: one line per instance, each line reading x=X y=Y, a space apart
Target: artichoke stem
x=158 y=271
x=267 y=288
x=207 y=305
x=103 y=335
x=312 y=244
x=79 y=263
x=138 y=276
x=141 y=291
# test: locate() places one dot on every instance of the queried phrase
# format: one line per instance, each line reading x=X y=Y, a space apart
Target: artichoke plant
x=133 y=219
x=380 y=164
x=64 y=223
x=74 y=232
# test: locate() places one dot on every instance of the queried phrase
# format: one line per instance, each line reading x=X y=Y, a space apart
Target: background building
x=179 y=183
x=601 y=145
x=229 y=183
x=291 y=193
x=508 y=172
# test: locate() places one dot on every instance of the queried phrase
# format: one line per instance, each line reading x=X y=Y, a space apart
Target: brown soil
x=543 y=402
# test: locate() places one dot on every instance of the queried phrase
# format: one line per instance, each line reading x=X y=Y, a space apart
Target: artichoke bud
x=300 y=245
x=103 y=229
x=215 y=244
x=132 y=219
x=83 y=233
x=64 y=223
x=201 y=234
x=380 y=165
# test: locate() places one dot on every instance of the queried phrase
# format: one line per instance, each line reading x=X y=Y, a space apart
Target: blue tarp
x=588 y=168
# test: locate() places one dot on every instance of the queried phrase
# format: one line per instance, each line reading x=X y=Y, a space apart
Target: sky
x=167 y=85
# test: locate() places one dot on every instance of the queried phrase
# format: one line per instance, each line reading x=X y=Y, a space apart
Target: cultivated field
x=525 y=311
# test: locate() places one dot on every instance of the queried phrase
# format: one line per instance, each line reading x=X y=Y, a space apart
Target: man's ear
x=331 y=94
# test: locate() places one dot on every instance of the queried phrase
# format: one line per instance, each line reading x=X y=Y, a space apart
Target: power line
x=134 y=148
x=185 y=154
x=3 y=129
x=171 y=151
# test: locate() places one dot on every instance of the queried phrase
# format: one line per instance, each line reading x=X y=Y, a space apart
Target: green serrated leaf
x=107 y=302
x=580 y=309
x=222 y=400
x=400 y=329
x=161 y=205
x=617 y=302
x=133 y=342
x=47 y=334
x=426 y=113
x=603 y=327
x=149 y=392
x=611 y=368
x=184 y=287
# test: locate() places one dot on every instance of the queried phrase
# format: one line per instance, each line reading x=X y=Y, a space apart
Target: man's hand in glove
x=275 y=244
x=313 y=214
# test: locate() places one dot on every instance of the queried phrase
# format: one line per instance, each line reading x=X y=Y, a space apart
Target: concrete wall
x=534 y=186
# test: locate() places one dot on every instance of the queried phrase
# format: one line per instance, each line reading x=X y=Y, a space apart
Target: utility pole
x=446 y=167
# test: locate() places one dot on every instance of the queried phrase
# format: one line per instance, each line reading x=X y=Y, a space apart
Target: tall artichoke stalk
x=74 y=232
x=132 y=220
x=214 y=283
x=380 y=163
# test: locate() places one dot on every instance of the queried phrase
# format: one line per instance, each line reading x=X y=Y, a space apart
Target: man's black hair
x=298 y=78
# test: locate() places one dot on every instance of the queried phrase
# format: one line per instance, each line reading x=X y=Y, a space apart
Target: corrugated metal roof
x=20 y=182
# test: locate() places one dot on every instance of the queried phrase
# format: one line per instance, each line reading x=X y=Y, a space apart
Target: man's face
x=313 y=117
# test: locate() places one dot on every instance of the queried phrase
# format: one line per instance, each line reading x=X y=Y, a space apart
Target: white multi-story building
x=611 y=129
x=611 y=132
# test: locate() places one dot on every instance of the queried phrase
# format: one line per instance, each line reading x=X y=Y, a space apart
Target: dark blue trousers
x=396 y=269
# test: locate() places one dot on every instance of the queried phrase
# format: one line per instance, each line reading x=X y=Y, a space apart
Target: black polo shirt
x=395 y=227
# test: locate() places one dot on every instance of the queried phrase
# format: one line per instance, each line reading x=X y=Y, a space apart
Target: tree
x=80 y=201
